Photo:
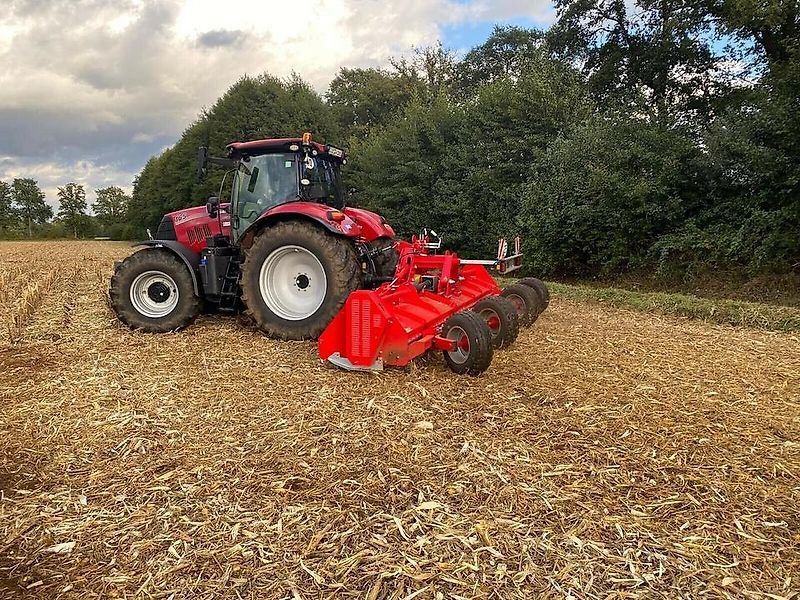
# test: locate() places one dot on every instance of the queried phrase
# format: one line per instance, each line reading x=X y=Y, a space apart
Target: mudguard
x=320 y=213
x=189 y=257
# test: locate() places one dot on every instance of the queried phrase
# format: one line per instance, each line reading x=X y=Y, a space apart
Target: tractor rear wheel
x=501 y=317
x=152 y=290
x=296 y=277
x=526 y=301
x=387 y=256
x=473 y=352
x=540 y=287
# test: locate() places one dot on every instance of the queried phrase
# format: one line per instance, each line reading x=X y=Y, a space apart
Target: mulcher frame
x=402 y=319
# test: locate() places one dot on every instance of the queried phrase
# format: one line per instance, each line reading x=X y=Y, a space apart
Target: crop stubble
x=608 y=454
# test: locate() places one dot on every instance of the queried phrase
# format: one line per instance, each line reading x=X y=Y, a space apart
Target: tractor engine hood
x=191 y=226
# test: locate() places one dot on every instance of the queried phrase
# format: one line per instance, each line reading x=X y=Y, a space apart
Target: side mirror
x=202 y=162
x=212 y=206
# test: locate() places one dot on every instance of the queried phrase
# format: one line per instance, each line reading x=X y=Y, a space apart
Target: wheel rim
x=518 y=302
x=154 y=294
x=292 y=283
x=461 y=352
x=492 y=321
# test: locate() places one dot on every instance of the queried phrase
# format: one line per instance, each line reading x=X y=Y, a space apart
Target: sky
x=90 y=89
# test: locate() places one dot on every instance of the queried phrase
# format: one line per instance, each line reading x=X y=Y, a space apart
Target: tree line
x=639 y=135
x=25 y=214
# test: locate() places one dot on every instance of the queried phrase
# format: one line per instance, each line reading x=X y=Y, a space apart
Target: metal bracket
x=338 y=360
x=503 y=263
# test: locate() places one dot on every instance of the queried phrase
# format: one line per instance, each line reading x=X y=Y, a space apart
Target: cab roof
x=271 y=146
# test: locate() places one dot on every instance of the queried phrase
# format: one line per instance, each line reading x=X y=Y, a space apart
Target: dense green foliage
x=632 y=136
x=663 y=153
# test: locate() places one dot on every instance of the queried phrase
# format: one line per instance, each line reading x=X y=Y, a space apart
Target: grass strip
x=725 y=312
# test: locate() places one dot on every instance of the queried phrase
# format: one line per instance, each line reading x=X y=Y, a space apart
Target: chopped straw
x=607 y=454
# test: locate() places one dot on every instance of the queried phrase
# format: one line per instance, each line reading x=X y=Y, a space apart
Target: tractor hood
x=191 y=226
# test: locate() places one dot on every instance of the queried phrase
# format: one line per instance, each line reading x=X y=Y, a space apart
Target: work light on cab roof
x=280 y=242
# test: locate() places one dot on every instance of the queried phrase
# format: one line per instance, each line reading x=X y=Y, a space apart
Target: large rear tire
x=152 y=290
x=296 y=277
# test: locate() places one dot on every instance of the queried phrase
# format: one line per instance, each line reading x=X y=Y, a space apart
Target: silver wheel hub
x=292 y=282
x=154 y=294
x=461 y=352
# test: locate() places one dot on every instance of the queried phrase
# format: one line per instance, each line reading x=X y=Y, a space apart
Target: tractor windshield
x=268 y=180
x=324 y=183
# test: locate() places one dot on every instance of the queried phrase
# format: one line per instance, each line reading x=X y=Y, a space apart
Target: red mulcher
x=303 y=265
x=419 y=310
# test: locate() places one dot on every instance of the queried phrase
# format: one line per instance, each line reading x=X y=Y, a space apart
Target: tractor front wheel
x=296 y=277
x=472 y=354
x=152 y=290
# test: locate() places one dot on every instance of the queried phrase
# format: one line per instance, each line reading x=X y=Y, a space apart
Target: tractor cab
x=270 y=173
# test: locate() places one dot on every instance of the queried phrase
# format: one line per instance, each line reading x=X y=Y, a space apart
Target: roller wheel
x=296 y=277
x=473 y=352
x=501 y=317
x=540 y=287
x=152 y=290
x=526 y=302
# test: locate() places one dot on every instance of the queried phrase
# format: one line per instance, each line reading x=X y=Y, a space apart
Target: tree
x=506 y=53
x=111 y=206
x=8 y=215
x=365 y=99
x=646 y=56
x=72 y=210
x=434 y=65
x=769 y=27
x=30 y=204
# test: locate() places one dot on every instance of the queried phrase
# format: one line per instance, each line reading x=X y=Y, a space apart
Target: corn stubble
x=607 y=454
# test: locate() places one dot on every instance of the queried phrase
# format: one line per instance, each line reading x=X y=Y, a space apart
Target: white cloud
x=90 y=89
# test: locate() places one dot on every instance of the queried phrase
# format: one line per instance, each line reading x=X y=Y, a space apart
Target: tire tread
x=481 y=350
x=155 y=259
x=341 y=254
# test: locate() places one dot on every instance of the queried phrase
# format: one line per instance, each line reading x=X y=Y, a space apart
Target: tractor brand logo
x=181 y=218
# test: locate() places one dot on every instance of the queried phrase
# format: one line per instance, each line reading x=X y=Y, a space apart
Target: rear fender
x=320 y=213
x=189 y=257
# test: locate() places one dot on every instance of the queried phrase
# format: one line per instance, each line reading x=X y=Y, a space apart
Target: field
x=608 y=454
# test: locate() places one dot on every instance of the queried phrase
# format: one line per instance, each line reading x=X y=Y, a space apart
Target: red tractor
x=289 y=251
